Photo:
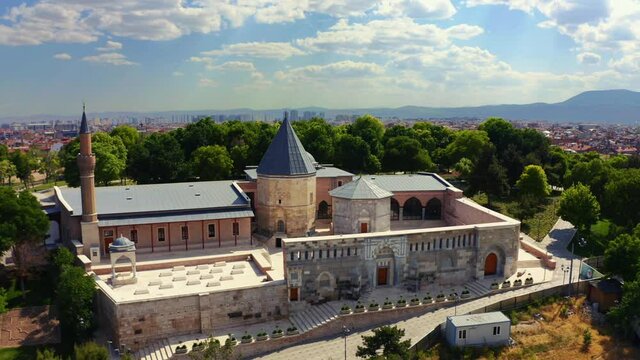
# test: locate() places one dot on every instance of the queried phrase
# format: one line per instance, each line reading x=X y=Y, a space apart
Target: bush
x=63 y=257
x=91 y=351
x=586 y=340
x=47 y=354
x=3 y=300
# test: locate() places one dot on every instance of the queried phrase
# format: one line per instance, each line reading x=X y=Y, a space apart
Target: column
x=400 y=213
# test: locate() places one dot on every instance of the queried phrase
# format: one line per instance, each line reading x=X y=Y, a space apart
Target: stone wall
x=290 y=199
x=348 y=215
x=138 y=323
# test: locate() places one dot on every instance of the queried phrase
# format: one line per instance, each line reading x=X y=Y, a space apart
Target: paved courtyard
x=34 y=325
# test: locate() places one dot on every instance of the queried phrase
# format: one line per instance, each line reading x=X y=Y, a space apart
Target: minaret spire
x=86 y=165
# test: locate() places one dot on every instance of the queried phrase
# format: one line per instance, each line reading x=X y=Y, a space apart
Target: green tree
x=533 y=182
x=353 y=154
x=25 y=164
x=46 y=354
x=555 y=165
x=214 y=351
x=111 y=159
x=593 y=172
x=75 y=292
x=389 y=337
x=579 y=206
x=4 y=152
x=467 y=144
x=623 y=186
x=464 y=167
x=50 y=165
x=212 y=163
x=23 y=226
x=127 y=134
x=371 y=130
x=204 y=132
x=91 y=351
x=489 y=176
x=501 y=133
x=3 y=300
x=622 y=256
x=158 y=159
x=317 y=137
x=403 y=153
x=62 y=257
x=626 y=313
x=7 y=171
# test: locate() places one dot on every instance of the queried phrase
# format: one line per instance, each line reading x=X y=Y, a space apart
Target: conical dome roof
x=286 y=155
x=360 y=189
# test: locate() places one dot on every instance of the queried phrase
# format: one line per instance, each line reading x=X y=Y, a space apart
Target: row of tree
x=23 y=164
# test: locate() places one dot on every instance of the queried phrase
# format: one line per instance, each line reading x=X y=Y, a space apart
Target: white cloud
x=628 y=64
x=206 y=82
x=110 y=46
x=62 y=56
x=431 y=9
x=235 y=66
x=269 y=50
x=588 y=58
x=116 y=59
x=177 y=73
x=330 y=72
x=384 y=36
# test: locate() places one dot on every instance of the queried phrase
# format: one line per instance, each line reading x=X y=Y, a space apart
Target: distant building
x=294 y=115
x=488 y=329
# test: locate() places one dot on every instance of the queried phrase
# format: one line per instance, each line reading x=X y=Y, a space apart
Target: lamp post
x=565 y=270
x=345 y=332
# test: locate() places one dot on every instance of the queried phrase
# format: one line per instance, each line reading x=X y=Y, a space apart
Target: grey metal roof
x=286 y=155
x=478 y=319
x=323 y=172
x=360 y=189
x=115 y=200
x=409 y=182
x=170 y=218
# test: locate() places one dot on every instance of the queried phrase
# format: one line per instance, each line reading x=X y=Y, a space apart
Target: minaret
x=86 y=165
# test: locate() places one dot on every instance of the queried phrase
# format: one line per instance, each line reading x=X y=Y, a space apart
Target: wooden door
x=293 y=294
x=364 y=227
x=107 y=242
x=383 y=273
x=491 y=264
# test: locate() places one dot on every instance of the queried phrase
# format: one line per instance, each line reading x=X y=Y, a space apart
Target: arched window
x=395 y=209
x=323 y=210
x=280 y=226
x=433 y=210
x=412 y=209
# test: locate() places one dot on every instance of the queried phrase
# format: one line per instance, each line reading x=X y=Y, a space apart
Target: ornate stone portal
x=385 y=258
x=123 y=247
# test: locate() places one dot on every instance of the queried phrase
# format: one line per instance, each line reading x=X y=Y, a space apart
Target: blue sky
x=219 y=54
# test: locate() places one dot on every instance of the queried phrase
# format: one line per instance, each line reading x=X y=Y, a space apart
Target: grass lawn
x=536 y=226
x=558 y=336
x=21 y=353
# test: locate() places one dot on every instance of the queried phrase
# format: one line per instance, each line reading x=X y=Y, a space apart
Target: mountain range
x=601 y=106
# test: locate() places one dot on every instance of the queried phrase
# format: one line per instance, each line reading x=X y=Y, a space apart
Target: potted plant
x=181 y=349
x=246 y=338
x=359 y=308
x=401 y=302
x=345 y=310
x=506 y=284
x=292 y=330
x=528 y=281
x=198 y=346
x=276 y=333
x=518 y=282
x=387 y=304
x=415 y=301
x=427 y=299
x=494 y=285
x=262 y=336
x=465 y=294
x=452 y=296
x=374 y=306
x=232 y=339
x=440 y=297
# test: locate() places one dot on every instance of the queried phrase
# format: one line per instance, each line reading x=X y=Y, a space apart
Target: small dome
x=313 y=160
x=122 y=244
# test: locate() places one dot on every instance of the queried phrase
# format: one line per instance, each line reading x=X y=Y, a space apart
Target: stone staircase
x=159 y=350
x=477 y=288
x=313 y=316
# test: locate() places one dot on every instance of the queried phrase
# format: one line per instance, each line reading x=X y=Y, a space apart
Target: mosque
x=338 y=235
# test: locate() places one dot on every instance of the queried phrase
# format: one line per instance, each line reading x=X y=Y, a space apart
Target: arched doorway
x=323 y=210
x=395 y=209
x=384 y=267
x=433 y=210
x=491 y=264
x=412 y=209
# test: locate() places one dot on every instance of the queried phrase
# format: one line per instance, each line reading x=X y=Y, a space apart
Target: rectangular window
x=348 y=251
x=410 y=247
x=291 y=256
x=458 y=240
x=462 y=334
x=428 y=246
x=355 y=251
x=496 y=330
x=185 y=232
x=328 y=253
x=311 y=198
x=422 y=246
x=212 y=230
x=108 y=233
x=319 y=254
x=447 y=243
x=464 y=241
x=341 y=252
x=440 y=243
x=160 y=234
x=306 y=255
x=335 y=253
x=134 y=235
x=236 y=229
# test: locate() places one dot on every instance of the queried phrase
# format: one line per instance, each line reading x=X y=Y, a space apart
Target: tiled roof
x=286 y=155
x=360 y=189
x=409 y=182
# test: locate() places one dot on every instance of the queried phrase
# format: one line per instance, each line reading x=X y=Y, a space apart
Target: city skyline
x=136 y=56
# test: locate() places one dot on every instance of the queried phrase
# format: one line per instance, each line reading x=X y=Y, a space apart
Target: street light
x=565 y=270
x=345 y=332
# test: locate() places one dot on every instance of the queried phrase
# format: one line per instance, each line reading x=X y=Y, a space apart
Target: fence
x=513 y=303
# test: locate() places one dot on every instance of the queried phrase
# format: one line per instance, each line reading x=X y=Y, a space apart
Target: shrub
x=91 y=351
x=46 y=354
x=586 y=340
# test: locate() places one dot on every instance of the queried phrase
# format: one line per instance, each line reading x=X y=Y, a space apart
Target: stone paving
x=34 y=325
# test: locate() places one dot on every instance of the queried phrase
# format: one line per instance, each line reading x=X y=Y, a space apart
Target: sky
x=156 y=55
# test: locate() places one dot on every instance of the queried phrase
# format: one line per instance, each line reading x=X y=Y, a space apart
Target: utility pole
x=345 y=332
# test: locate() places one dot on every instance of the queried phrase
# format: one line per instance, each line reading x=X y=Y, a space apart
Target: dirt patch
x=35 y=325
